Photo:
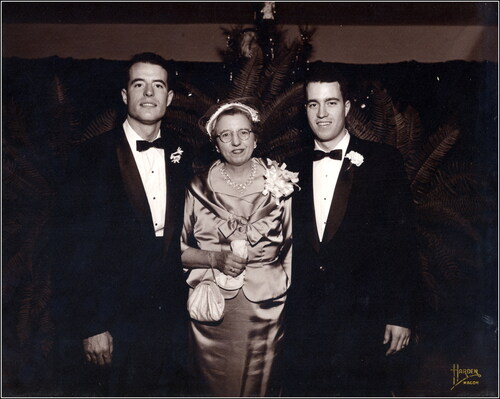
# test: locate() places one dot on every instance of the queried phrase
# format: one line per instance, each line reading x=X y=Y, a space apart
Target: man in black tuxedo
x=353 y=271
x=120 y=295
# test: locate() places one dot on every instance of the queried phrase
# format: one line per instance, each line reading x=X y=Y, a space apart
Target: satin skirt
x=236 y=356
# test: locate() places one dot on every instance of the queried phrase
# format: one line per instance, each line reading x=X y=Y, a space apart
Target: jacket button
x=322 y=268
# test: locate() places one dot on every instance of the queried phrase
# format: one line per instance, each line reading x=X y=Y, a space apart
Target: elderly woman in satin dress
x=246 y=201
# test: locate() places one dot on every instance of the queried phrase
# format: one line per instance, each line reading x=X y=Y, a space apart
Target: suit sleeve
x=401 y=245
x=188 y=223
x=74 y=238
x=286 y=251
x=89 y=267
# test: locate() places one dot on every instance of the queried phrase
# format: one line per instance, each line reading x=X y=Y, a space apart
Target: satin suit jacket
x=365 y=265
x=112 y=273
x=214 y=219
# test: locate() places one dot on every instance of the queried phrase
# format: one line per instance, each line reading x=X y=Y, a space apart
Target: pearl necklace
x=240 y=187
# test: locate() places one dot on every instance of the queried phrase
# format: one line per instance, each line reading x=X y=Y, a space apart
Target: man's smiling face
x=147 y=95
x=326 y=112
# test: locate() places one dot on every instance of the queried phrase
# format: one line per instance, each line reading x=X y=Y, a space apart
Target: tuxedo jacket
x=365 y=264
x=111 y=272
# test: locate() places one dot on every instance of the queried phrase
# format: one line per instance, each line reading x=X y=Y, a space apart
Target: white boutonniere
x=279 y=182
x=175 y=157
x=355 y=157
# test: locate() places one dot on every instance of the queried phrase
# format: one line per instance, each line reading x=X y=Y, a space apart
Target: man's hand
x=98 y=349
x=399 y=337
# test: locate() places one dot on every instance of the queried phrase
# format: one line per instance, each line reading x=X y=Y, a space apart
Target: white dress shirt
x=151 y=165
x=325 y=176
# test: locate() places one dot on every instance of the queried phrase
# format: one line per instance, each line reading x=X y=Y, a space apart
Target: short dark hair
x=320 y=71
x=155 y=59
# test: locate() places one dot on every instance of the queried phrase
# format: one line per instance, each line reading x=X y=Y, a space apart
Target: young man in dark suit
x=119 y=290
x=353 y=269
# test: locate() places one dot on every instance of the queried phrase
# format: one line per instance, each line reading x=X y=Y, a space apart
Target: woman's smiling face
x=236 y=152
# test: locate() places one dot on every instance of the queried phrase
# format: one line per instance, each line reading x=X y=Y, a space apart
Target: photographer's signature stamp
x=464 y=376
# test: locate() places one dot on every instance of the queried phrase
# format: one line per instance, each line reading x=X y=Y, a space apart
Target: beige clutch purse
x=206 y=302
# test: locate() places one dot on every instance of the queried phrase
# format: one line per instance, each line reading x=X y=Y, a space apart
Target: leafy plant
x=27 y=199
x=276 y=82
x=449 y=198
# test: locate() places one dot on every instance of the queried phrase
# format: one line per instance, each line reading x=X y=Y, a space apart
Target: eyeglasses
x=227 y=136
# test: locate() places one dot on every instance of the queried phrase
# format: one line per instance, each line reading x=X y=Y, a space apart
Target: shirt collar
x=342 y=144
x=133 y=136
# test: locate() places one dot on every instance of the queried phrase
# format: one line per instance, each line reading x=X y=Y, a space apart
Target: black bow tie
x=335 y=154
x=143 y=145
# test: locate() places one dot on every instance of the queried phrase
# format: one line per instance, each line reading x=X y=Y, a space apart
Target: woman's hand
x=228 y=263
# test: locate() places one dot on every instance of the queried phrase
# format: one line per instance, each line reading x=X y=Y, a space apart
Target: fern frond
x=24 y=326
x=11 y=229
x=447 y=263
x=27 y=180
x=286 y=112
x=433 y=293
x=248 y=80
x=41 y=295
x=437 y=270
x=456 y=186
x=192 y=99
x=445 y=138
x=359 y=125
x=290 y=97
x=22 y=155
x=280 y=124
x=231 y=53
x=410 y=144
x=402 y=132
x=185 y=128
x=14 y=271
x=277 y=73
x=383 y=118
x=46 y=330
x=61 y=131
x=433 y=215
x=283 y=146
x=187 y=119
x=102 y=123
x=14 y=130
x=59 y=92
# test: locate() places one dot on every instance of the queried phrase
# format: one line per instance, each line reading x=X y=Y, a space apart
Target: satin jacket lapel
x=308 y=202
x=340 y=196
x=132 y=179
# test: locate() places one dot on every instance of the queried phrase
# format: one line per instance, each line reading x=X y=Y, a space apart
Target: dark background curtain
x=52 y=104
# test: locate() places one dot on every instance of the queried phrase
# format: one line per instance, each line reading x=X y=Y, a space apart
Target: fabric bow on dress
x=236 y=223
